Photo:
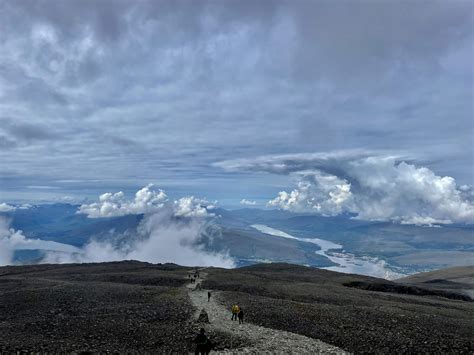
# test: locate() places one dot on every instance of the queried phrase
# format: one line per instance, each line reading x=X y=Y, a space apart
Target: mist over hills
x=251 y=235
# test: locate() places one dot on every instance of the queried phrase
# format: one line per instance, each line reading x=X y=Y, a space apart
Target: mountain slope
x=456 y=279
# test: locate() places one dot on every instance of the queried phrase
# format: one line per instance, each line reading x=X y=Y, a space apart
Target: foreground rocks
x=118 y=307
x=315 y=303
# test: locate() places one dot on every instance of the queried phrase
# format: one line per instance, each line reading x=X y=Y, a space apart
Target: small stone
x=203 y=317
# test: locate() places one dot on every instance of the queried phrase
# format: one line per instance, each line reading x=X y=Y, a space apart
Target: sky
x=329 y=107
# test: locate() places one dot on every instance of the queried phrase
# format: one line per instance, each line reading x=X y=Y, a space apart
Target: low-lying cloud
x=171 y=231
x=159 y=238
x=12 y=240
x=246 y=202
x=4 y=207
x=373 y=187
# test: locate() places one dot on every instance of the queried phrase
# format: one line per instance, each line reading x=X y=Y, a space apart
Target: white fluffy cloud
x=371 y=187
x=171 y=231
x=247 y=202
x=11 y=240
x=192 y=207
x=147 y=200
x=160 y=238
x=6 y=208
x=324 y=194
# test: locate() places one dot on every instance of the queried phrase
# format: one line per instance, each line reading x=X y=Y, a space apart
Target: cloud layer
x=119 y=93
x=371 y=187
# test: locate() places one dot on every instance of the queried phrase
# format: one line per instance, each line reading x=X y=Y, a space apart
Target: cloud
x=170 y=231
x=6 y=208
x=11 y=240
x=247 y=202
x=192 y=207
x=92 y=86
x=319 y=193
x=147 y=200
x=160 y=237
x=383 y=187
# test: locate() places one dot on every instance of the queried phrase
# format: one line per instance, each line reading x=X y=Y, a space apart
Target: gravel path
x=261 y=340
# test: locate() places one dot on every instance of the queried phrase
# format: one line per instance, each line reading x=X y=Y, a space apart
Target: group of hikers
x=193 y=277
x=203 y=343
x=237 y=312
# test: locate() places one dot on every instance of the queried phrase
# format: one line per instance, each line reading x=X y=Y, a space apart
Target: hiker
x=241 y=316
x=235 y=311
x=208 y=296
x=203 y=344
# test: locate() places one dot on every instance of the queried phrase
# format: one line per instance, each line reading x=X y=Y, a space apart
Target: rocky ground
x=113 y=307
x=315 y=303
x=139 y=307
x=249 y=338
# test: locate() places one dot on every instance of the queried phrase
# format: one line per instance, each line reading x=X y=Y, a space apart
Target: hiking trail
x=261 y=339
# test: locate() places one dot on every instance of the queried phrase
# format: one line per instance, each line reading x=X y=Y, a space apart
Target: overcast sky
x=100 y=96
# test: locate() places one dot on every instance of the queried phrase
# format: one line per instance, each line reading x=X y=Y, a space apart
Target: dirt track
x=260 y=339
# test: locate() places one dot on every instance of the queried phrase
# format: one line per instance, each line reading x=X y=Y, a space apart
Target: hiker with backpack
x=203 y=344
x=241 y=315
x=235 y=311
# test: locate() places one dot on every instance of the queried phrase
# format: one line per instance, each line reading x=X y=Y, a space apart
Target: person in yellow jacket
x=235 y=311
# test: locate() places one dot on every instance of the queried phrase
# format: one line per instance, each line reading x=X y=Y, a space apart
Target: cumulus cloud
x=11 y=240
x=160 y=237
x=171 y=231
x=316 y=192
x=4 y=207
x=192 y=207
x=147 y=200
x=373 y=187
x=247 y=202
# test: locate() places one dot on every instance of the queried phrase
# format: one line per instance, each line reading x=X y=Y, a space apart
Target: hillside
x=457 y=279
x=140 y=307
x=319 y=304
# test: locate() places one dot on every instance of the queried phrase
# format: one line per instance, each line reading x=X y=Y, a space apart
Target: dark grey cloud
x=157 y=91
x=26 y=131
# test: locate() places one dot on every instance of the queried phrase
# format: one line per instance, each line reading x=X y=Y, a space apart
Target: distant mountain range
x=382 y=249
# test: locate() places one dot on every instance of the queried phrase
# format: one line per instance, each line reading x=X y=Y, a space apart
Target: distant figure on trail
x=203 y=344
x=241 y=316
x=235 y=311
x=208 y=296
